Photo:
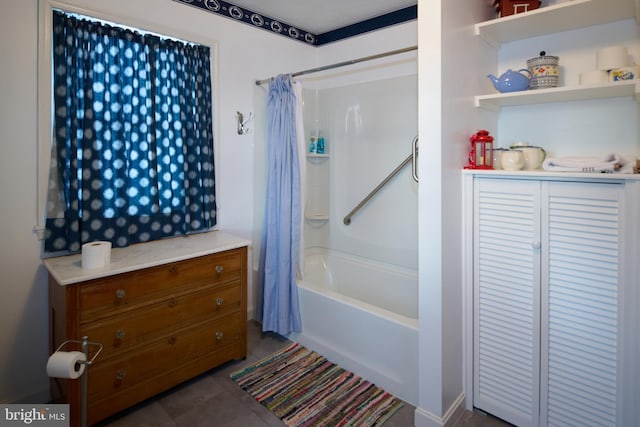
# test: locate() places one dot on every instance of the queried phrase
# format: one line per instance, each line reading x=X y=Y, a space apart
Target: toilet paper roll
x=96 y=254
x=593 y=77
x=611 y=57
x=66 y=364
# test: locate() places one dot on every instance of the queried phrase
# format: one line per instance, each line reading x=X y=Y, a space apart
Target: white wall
x=244 y=55
x=23 y=306
x=448 y=56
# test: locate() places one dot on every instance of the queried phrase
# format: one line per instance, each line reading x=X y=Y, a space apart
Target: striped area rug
x=304 y=389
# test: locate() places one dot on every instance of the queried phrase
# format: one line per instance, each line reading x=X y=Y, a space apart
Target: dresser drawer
x=133 y=328
x=101 y=296
x=119 y=400
x=181 y=348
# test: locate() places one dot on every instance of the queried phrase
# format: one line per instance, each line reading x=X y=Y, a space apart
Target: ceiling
x=321 y=16
x=314 y=22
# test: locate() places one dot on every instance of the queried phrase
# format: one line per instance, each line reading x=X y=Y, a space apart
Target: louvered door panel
x=506 y=299
x=580 y=304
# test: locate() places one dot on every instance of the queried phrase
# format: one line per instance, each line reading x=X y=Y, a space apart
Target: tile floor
x=212 y=399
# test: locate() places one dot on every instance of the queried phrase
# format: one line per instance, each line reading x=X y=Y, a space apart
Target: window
x=132 y=149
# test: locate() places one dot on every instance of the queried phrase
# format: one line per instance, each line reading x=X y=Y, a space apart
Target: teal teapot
x=511 y=81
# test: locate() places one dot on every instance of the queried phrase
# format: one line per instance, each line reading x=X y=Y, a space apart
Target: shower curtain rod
x=342 y=64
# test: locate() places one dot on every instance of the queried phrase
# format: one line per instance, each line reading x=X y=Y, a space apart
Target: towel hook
x=242 y=123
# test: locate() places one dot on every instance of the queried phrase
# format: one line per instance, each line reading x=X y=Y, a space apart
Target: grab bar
x=414 y=160
x=411 y=158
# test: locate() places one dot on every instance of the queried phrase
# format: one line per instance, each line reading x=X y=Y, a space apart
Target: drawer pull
x=120 y=334
x=121 y=293
x=172 y=340
x=219 y=301
x=172 y=302
x=173 y=269
x=219 y=335
x=219 y=269
x=120 y=375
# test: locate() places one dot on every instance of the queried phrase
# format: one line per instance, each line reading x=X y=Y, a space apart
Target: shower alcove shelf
x=317 y=209
x=317 y=217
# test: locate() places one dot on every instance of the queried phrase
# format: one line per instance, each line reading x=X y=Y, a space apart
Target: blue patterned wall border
x=252 y=18
x=264 y=22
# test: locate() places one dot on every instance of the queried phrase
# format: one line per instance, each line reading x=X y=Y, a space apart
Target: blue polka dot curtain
x=132 y=150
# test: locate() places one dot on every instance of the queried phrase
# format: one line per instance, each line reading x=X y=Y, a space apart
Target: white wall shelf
x=495 y=101
x=565 y=16
x=317 y=156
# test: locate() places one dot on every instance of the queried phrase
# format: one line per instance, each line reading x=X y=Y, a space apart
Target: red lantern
x=481 y=154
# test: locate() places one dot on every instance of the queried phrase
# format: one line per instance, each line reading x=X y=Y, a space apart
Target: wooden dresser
x=164 y=312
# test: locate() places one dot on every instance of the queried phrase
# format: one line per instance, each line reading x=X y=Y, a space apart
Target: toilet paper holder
x=84 y=384
x=84 y=346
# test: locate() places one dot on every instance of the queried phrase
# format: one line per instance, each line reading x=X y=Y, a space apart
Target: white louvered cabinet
x=506 y=299
x=548 y=270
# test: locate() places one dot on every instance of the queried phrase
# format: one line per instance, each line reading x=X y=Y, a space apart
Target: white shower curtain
x=302 y=156
x=281 y=257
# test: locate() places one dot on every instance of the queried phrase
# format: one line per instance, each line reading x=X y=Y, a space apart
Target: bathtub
x=362 y=315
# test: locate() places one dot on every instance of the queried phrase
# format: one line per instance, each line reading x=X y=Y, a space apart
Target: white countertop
x=542 y=174
x=68 y=270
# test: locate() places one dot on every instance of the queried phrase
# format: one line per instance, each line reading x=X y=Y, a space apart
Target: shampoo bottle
x=320 y=143
x=312 y=144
